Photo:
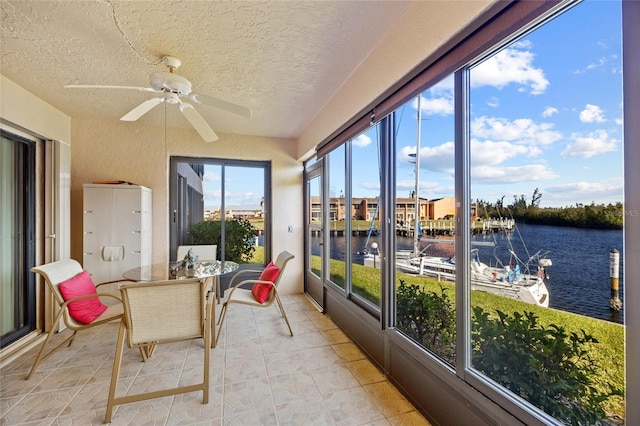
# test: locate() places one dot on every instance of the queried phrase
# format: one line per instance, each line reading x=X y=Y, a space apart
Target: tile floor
x=259 y=376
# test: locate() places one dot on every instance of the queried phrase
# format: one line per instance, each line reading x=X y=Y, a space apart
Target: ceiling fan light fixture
x=170 y=82
x=171 y=87
x=171 y=98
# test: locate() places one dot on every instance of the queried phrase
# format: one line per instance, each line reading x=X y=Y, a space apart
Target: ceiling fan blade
x=220 y=104
x=94 y=86
x=141 y=109
x=198 y=123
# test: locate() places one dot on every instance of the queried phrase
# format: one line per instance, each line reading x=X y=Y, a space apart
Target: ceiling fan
x=173 y=88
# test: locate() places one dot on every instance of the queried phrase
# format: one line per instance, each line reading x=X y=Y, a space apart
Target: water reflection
x=579 y=278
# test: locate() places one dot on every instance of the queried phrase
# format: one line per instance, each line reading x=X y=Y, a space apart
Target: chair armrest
x=113 y=282
x=89 y=296
x=244 y=271
x=233 y=288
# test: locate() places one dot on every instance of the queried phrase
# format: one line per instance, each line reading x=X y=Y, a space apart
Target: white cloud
x=592 y=114
x=210 y=176
x=573 y=192
x=489 y=153
x=549 y=111
x=435 y=106
x=371 y=185
x=597 y=64
x=520 y=131
x=438 y=158
x=361 y=141
x=493 y=102
x=483 y=154
x=594 y=143
x=427 y=188
x=511 y=65
x=510 y=174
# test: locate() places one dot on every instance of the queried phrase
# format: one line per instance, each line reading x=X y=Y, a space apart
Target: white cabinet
x=117 y=229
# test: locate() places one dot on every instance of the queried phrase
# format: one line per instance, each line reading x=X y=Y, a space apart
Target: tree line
x=523 y=209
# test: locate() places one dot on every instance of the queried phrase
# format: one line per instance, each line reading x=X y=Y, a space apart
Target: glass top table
x=163 y=271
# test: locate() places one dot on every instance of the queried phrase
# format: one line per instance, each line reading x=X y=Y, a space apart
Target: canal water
x=579 y=279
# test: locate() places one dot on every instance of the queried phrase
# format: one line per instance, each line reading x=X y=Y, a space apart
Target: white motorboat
x=513 y=280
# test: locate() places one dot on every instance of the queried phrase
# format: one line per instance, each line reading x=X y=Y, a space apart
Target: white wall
x=138 y=153
x=22 y=108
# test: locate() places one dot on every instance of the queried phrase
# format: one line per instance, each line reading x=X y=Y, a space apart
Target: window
x=366 y=240
x=222 y=202
x=425 y=248
x=338 y=217
x=546 y=177
x=518 y=137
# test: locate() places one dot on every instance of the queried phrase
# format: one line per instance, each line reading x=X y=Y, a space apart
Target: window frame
x=25 y=312
x=502 y=24
x=222 y=162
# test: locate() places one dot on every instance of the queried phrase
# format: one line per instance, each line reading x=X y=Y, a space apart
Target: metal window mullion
x=387 y=294
x=463 y=220
x=348 y=175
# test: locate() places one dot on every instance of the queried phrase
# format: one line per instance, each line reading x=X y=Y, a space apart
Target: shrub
x=545 y=365
x=428 y=318
x=239 y=237
x=548 y=366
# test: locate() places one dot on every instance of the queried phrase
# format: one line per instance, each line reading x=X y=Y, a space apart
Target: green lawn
x=608 y=353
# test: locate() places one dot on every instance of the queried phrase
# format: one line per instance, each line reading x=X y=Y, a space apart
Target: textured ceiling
x=282 y=59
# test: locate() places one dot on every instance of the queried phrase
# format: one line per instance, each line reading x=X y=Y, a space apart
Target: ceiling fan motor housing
x=170 y=82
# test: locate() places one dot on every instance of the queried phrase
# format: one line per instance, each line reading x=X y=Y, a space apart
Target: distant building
x=365 y=209
x=239 y=212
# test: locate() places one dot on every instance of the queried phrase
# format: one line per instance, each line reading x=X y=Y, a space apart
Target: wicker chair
x=162 y=312
x=54 y=274
x=237 y=295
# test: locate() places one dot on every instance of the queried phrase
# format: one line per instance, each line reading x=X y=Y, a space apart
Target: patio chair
x=262 y=292
x=205 y=253
x=63 y=272
x=162 y=312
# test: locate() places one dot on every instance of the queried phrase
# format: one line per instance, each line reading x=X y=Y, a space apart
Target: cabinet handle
x=136 y=211
x=136 y=232
x=136 y=252
x=88 y=232
x=88 y=254
x=88 y=211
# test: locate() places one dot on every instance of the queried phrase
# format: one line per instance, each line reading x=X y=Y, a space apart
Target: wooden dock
x=428 y=227
x=447 y=227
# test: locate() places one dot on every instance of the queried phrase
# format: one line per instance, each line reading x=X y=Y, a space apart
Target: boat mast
x=416 y=227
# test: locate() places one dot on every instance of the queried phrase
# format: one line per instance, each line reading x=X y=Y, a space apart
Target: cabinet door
x=145 y=228
x=127 y=226
x=97 y=217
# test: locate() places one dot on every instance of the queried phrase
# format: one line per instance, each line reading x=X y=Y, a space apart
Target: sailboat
x=514 y=278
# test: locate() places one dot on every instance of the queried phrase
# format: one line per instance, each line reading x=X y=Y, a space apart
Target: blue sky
x=244 y=187
x=546 y=112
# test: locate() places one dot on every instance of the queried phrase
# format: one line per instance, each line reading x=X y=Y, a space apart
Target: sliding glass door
x=222 y=202
x=17 y=226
